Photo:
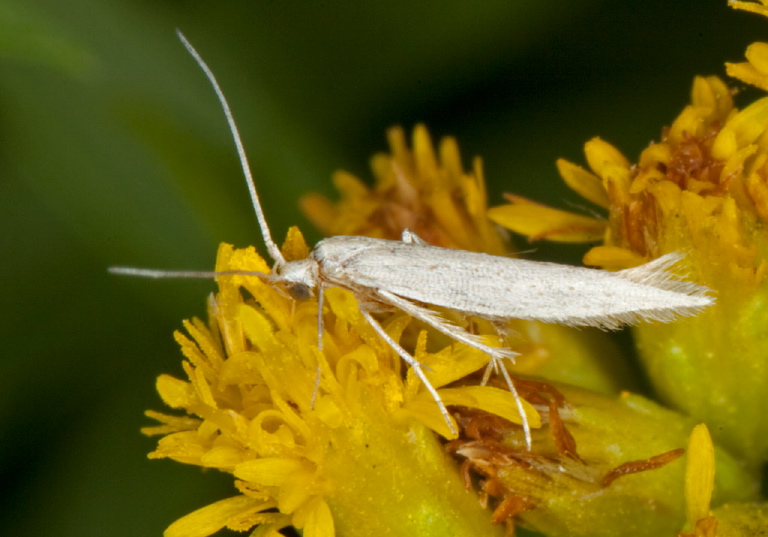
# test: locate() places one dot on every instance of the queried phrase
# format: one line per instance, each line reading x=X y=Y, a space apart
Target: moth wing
x=496 y=287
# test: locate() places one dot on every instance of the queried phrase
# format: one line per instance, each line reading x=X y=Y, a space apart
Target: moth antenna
x=207 y=274
x=272 y=248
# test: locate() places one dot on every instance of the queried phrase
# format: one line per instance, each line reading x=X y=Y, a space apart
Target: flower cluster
x=702 y=190
x=367 y=452
x=324 y=463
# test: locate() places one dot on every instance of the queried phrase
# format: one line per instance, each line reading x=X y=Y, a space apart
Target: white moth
x=409 y=275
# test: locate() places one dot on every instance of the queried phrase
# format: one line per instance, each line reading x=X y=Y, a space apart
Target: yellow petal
x=711 y=92
x=699 y=474
x=601 y=154
x=493 y=400
x=747 y=73
x=170 y=424
x=757 y=54
x=726 y=144
x=400 y=151
x=320 y=211
x=344 y=305
x=328 y=412
x=176 y=393
x=270 y=530
x=269 y=471
x=349 y=185
x=655 y=154
x=202 y=387
x=295 y=491
x=453 y=363
x=758 y=191
x=363 y=356
x=742 y=129
x=424 y=154
x=617 y=181
x=612 y=258
x=295 y=247
x=259 y=330
x=737 y=159
x=584 y=183
x=190 y=349
x=183 y=447
x=268 y=523
x=211 y=518
x=450 y=157
x=450 y=217
x=210 y=359
x=241 y=368
x=223 y=457
x=424 y=409
x=319 y=522
x=688 y=123
x=541 y=222
x=246 y=259
x=750 y=6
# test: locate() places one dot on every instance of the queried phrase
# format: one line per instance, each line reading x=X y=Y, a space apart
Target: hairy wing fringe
x=657 y=274
x=620 y=320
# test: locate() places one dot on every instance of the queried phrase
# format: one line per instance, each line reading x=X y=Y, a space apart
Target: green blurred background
x=113 y=151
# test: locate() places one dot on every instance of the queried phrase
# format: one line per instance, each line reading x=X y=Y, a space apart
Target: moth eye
x=299 y=291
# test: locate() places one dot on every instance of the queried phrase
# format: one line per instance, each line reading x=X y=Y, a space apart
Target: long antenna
x=272 y=248
x=204 y=274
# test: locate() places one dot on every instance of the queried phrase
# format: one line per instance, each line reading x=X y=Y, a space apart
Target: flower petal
x=711 y=92
x=541 y=222
x=319 y=521
x=600 y=154
x=494 y=400
x=170 y=424
x=584 y=183
x=295 y=247
x=176 y=393
x=612 y=258
x=452 y=363
x=211 y=518
x=750 y=6
x=269 y=471
x=699 y=474
x=742 y=129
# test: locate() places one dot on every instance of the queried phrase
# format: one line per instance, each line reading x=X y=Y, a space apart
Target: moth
x=410 y=275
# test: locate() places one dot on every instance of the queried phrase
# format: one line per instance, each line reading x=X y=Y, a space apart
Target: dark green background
x=113 y=151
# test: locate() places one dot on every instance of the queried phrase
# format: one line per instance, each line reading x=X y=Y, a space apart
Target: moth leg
x=415 y=365
x=441 y=325
x=320 y=295
x=409 y=237
x=505 y=333
x=454 y=332
x=503 y=330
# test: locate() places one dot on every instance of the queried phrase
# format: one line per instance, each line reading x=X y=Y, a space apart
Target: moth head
x=298 y=278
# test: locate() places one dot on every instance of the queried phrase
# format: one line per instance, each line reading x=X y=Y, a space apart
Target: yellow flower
x=701 y=190
x=357 y=457
x=655 y=206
